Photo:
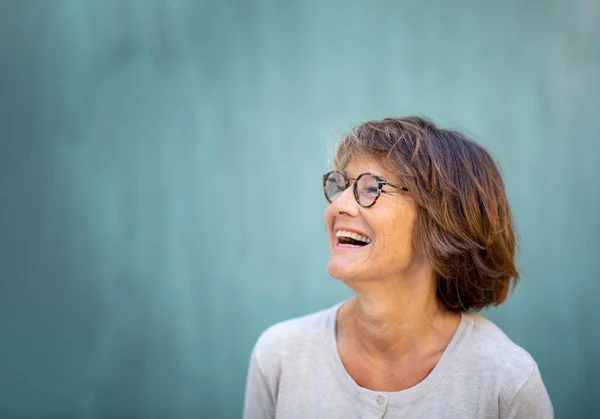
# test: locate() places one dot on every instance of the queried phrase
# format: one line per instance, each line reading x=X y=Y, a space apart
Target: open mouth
x=351 y=239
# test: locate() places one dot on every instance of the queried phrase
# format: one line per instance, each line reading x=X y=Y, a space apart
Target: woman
x=420 y=229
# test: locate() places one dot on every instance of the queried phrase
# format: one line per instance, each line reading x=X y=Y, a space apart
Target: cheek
x=397 y=234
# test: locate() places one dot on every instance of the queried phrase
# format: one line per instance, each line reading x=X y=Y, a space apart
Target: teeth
x=353 y=235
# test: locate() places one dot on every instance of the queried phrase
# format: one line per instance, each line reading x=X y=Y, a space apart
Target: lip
x=345 y=248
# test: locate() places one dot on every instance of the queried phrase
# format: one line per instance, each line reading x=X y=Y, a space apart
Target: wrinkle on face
x=391 y=220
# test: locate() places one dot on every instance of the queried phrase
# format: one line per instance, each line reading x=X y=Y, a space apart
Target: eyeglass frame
x=380 y=184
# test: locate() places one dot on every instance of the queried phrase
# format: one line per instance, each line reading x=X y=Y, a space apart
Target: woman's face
x=389 y=224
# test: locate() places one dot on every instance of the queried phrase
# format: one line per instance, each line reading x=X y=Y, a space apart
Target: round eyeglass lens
x=367 y=189
x=334 y=185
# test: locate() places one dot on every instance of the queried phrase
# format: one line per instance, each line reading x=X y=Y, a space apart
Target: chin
x=340 y=272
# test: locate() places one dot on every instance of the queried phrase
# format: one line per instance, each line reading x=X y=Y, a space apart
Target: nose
x=345 y=204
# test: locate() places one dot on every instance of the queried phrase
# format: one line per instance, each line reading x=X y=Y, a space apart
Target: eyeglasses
x=367 y=187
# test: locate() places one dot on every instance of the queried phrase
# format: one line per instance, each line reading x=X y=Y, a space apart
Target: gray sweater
x=296 y=372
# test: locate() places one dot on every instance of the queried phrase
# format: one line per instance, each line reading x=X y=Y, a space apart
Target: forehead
x=365 y=164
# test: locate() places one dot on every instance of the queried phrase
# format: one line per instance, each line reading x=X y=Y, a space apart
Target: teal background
x=160 y=169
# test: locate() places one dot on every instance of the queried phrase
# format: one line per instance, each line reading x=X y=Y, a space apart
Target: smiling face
x=387 y=226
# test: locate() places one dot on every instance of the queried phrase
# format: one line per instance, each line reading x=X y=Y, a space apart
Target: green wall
x=160 y=169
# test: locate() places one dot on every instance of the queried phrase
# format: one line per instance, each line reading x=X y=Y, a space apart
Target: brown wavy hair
x=464 y=223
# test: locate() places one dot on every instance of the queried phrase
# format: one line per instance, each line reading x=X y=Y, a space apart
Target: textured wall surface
x=160 y=169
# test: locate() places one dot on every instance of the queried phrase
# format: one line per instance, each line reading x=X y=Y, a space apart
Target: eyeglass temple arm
x=402 y=188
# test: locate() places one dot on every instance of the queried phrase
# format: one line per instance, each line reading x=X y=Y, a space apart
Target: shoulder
x=489 y=354
x=291 y=337
x=487 y=343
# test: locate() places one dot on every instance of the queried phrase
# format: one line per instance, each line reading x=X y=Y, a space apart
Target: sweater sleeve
x=259 y=400
x=532 y=400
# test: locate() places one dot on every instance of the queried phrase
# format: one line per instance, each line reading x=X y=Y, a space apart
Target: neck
x=398 y=319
